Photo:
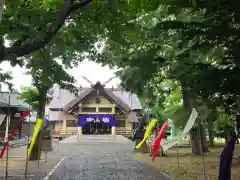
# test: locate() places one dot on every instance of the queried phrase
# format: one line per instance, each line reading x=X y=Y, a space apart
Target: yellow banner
x=36 y=131
x=147 y=132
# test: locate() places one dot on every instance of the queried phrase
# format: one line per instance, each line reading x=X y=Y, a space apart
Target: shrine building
x=94 y=110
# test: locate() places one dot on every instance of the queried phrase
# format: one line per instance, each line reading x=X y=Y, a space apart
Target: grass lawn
x=190 y=167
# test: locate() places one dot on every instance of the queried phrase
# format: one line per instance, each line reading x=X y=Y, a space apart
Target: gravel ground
x=103 y=161
x=110 y=160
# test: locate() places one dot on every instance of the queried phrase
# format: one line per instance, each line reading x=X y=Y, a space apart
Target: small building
x=94 y=110
x=14 y=107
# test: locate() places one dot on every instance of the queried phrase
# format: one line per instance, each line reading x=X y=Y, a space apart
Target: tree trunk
x=226 y=134
x=203 y=139
x=212 y=117
x=161 y=152
x=198 y=140
x=195 y=141
x=37 y=148
x=143 y=148
x=210 y=133
x=196 y=133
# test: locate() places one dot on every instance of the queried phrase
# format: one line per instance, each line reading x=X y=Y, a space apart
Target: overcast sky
x=91 y=70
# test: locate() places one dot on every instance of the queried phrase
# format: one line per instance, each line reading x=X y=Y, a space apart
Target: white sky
x=91 y=70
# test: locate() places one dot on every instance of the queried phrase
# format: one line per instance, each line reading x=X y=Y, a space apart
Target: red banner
x=22 y=116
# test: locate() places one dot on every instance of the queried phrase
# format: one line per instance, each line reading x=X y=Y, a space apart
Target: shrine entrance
x=96 y=127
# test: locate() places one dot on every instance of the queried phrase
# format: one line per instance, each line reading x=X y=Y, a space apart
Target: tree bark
x=210 y=133
x=195 y=141
x=186 y=94
x=143 y=148
x=226 y=133
x=161 y=152
x=37 y=148
x=211 y=119
x=203 y=139
x=198 y=140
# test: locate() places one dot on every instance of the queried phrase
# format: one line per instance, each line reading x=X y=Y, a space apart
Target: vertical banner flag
x=226 y=159
x=22 y=116
x=158 y=139
x=147 y=133
x=45 y=124
x=176 y=139
x=227 y=154
x=36 y=131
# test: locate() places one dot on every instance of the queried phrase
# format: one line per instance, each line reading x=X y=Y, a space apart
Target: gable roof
x=14 y=100
x=108 y=94
x=63 y=97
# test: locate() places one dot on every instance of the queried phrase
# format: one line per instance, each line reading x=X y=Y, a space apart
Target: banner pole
x=28 y=139
x=7 y=127
x=178 y=162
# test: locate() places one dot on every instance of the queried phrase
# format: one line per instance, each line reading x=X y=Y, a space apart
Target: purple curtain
x=108 y=119
x=84 y=119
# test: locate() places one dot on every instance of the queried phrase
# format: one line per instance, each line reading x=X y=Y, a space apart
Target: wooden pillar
x=113 y=130
x=20 y=130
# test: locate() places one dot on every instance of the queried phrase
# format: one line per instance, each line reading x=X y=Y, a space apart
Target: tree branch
x=31 y=46
x=20 y=40
x=80 y=4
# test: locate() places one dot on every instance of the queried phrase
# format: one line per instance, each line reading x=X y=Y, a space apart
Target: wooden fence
x=65 y=133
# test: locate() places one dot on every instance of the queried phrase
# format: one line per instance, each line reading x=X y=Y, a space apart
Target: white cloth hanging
x=2 y=116
x=177 y=139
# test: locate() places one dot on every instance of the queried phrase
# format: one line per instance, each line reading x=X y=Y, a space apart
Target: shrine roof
x=66 y=100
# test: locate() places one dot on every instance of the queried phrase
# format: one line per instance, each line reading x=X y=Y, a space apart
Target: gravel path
x=104 y=160
x=95 y=158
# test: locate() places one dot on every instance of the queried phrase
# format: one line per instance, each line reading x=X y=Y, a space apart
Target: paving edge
x=142 y=162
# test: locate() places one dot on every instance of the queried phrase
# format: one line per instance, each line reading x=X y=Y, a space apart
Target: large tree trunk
x=195 y=141
x=143 y=148
x=203 y=139
x=226 y=133
x=211 y=119
x=37 y=148
x=210 y=133
x=198 y=138
x=161 y=152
